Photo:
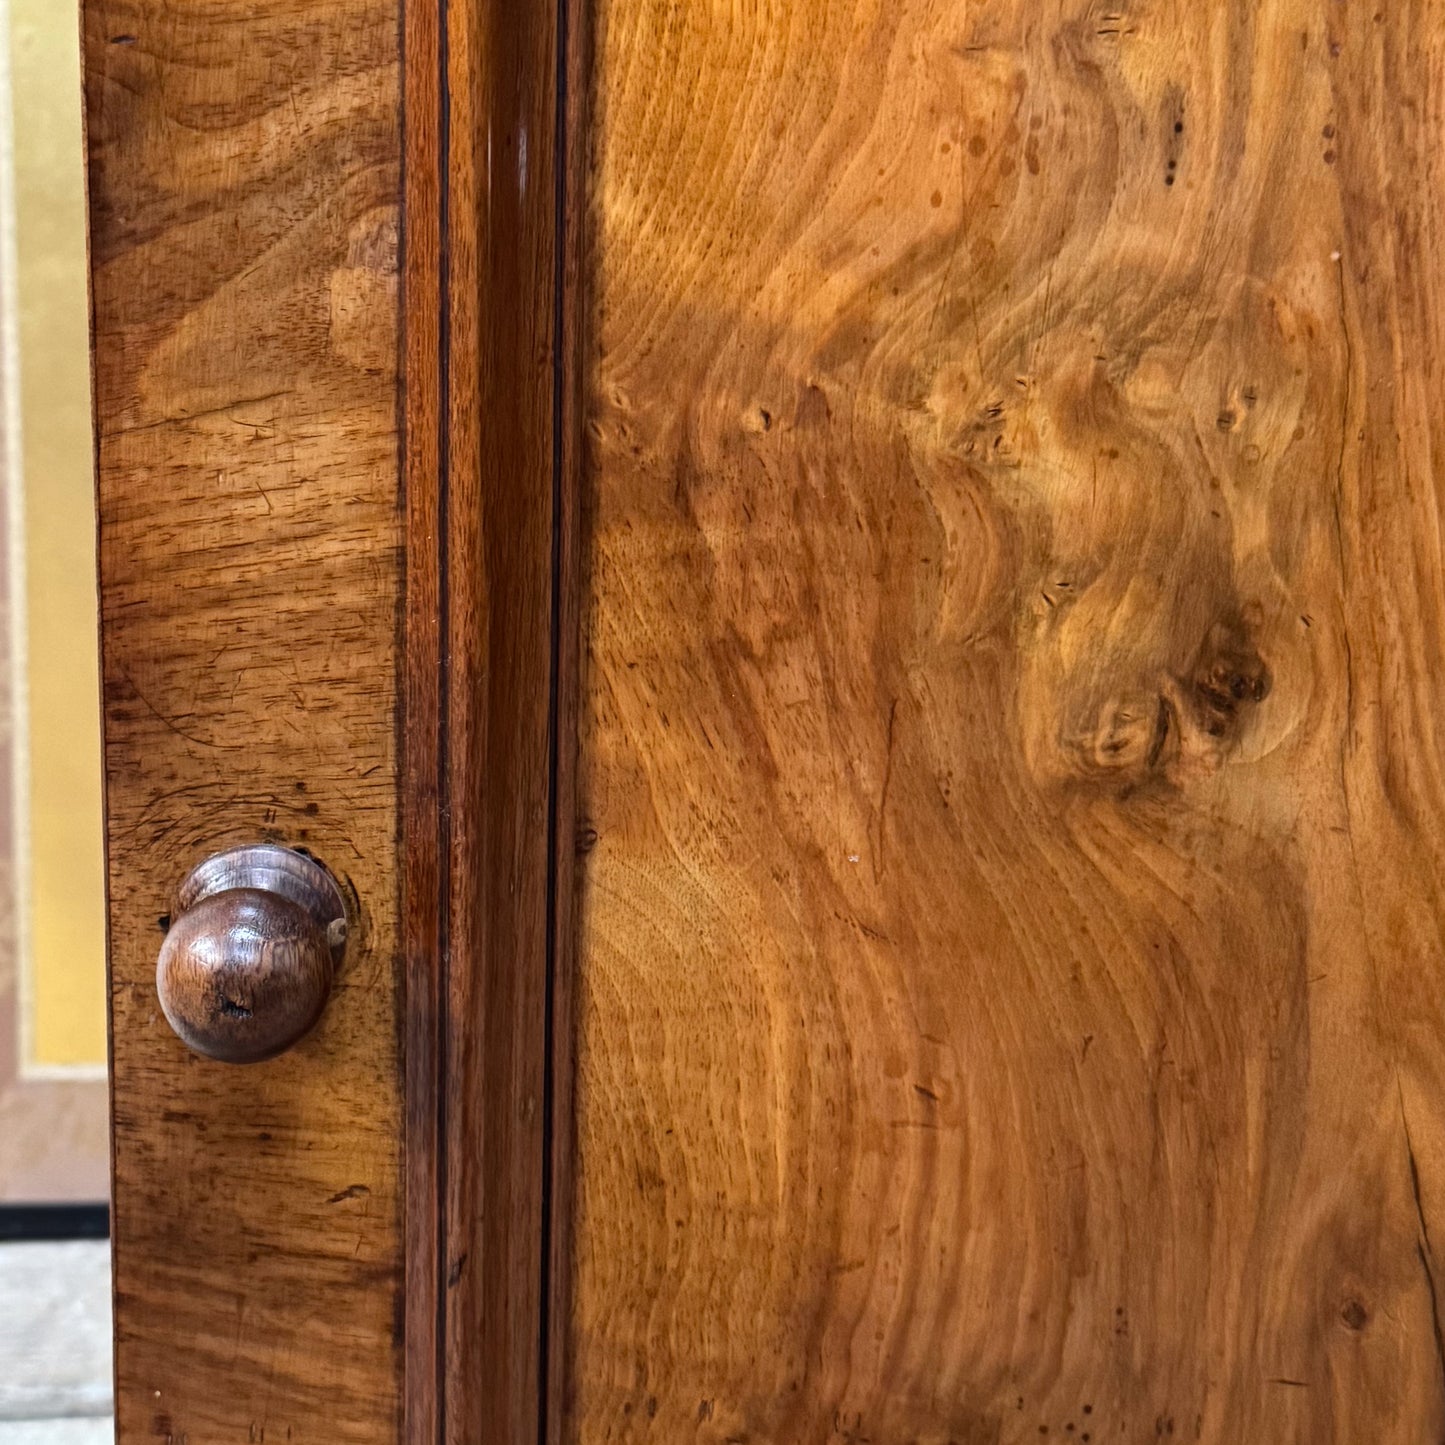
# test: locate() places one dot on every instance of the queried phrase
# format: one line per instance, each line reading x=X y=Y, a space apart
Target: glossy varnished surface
x=1009 y=950
x=245 y=176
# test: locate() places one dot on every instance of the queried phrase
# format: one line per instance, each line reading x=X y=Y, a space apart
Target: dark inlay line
x=554 y=739
x=444 y=693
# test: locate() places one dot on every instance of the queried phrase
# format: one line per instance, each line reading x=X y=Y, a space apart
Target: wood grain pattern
x=1009 y=955
x=244 y=185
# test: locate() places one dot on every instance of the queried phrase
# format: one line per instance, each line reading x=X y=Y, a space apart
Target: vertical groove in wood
x=421 y=741
x=574 y=24
x=500 y=244
x=481 y=271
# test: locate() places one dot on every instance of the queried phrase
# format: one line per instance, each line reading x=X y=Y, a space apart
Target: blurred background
x=54 y=1255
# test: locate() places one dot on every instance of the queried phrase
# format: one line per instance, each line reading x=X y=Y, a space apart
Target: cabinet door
x=1008 y=940
x=245 y=173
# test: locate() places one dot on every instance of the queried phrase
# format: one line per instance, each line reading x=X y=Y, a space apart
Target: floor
x=55 y=1344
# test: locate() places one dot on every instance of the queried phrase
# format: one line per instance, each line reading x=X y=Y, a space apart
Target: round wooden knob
x=250 y=953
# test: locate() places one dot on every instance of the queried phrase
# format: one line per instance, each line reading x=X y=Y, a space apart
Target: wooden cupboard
x=852 y=595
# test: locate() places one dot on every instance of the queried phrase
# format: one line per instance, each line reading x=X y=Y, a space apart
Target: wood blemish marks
x=1424 y=1250
x=1113 y=26
x=1127 y=740
x=880 y=865
x=1112 y=692
x=352 y=1191
x=1173 y=133
x=1228 y=677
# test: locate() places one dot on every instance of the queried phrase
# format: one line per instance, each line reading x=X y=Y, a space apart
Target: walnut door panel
x=1007 y=950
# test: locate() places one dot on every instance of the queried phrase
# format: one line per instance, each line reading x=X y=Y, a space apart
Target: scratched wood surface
x=1010 y=948
x=244 y=173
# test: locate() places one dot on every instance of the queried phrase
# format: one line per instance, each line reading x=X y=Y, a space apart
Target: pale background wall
x=54 y=1298
x=52 y=920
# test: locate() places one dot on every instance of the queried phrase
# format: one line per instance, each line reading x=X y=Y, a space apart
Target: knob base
x=270 y=868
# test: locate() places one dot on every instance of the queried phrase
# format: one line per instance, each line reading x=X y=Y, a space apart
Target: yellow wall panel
x=63 y=968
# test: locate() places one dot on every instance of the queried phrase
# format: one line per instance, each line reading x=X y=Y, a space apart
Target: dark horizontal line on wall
x=53 y=1222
